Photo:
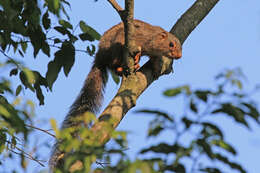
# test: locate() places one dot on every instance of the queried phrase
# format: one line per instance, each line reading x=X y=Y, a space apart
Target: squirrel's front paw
x=122 y=71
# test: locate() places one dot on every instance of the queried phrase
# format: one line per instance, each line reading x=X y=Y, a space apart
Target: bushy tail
x=89 y=99
x=91 y=95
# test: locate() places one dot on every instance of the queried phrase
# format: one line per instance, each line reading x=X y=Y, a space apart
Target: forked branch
x=115 y=5
x=134 y=85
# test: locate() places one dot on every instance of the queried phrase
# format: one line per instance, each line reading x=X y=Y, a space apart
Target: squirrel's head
x=166 y=44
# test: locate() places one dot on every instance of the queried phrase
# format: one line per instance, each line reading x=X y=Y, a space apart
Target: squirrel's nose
x=178 y=55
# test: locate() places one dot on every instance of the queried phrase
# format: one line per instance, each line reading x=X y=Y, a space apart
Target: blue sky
x=228 y=37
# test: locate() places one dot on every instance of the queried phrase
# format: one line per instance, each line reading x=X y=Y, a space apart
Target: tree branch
x=130 y=46
x=124 y=99
x=192 y=18
x=127 y=16
x=23 y=153
x=134 y=85
x=117 y=7
x=45 y=131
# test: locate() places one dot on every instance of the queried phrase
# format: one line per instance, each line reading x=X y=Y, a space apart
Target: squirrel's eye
x=171 y=44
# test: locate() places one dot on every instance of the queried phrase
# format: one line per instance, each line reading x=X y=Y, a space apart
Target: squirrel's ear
x=163 y=34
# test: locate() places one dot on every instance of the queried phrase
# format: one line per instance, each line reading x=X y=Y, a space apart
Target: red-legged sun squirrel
x=153 y=41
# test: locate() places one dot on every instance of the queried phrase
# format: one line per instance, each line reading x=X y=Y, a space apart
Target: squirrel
x=152 y=41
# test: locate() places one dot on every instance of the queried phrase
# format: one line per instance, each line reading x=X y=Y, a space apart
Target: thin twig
x=50 y=38
x=116 y=6
x=7 y=56
x=11 y=59
x=27 y=155
x=45 y=131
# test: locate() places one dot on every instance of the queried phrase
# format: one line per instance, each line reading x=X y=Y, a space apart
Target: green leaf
x=38 y=40
x=46 y=49
x=5 y=86
x=233 y=111
x=24 y=46
x=212 y=129
x=86 y=36
x=65 y=58
x=13 y=72
x=4 y=112
x=193 y=106
x=202 y=95
x=65 y=24
x=26 y=79
x=15 y=45
x=56 y=40
x=91 y=51
x=253 y=112
x=155 y=131
x=54 y=68
x=224 y=145
x=3 y=140
x=172 y=92
x=176 y=91
x=157 y=113
x=54 y=6
x=72 y=38
x=40 y=79
x=178 y=168
x=18 y=90
x=29 y=75
x=46 y=21
x=229 y=163
x=68 y=54
x=206 y=147
x=89 y=30
x=61 y=30
x=161 y=148
x=39 y=94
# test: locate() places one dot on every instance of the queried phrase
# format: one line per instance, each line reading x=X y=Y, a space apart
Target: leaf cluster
x=198 y=138
x=198 y=143
x=44 y=29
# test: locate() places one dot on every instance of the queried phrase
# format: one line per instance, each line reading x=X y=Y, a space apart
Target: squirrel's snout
x=178 y=55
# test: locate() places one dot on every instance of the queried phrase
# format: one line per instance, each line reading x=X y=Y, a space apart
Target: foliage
x=33 y=26
x=206 y=144
x=198 y=145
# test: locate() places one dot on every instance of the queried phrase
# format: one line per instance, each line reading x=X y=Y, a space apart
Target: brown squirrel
x=153 y=41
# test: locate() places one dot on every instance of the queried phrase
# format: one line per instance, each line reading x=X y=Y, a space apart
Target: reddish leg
x=120 y=70
x=137 y=66
x=137 y=59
